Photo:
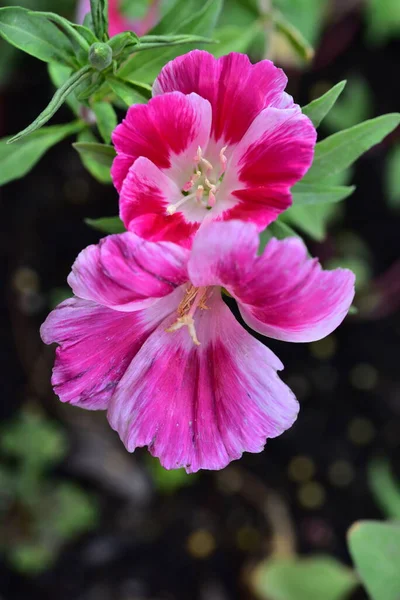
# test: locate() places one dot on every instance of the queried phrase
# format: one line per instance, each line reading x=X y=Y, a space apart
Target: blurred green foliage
x=38 y=514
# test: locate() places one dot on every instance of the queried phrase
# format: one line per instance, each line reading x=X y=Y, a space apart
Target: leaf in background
x=19 y=158
x=383 y=20
x=129 y=92
x=59 y=74
x=392 y=177
x=385 y=488
x=107 y=224
x=318 y=193
x=279 y=230
x=145 y=67
x=294 y=36
x=78 y=42
x=56 y=102
x=74 y=511
x=35 y=35
x=99 y=11
x=341 y=149
x=354 y=106
x=168 y=482
x=179 y=12
x=106 y=119
x=319 y=108
x=97 y=158
x=319 y=578
x=233 y=39
x=311 y=219
x=375 y=550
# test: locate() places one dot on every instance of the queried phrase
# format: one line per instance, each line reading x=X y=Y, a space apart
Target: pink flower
x=118 y=23
x=149 y=338
x=219 y=140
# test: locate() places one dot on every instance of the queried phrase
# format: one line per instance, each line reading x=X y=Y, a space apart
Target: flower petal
x=144 y=197
x=274 y=154
x=289 y=297
x=200 y=407
x=167 y=131
x=97 y=345
x=237 y=90
x=127 y=273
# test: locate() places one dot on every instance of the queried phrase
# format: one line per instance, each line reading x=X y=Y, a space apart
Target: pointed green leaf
x=107 y=224
x=103 y=153
x=119 y=42
x=17 y=160
x=375 y=550
x=99 y=11
x=129 y=92
x=146 y=66
x=106 y=119
x=59 y=74
x=316 y=578
x=35 y=35
x=339 y=151
x=392 y=177
x=179 y=12
x=319 y=108
x=93 y=159
x=293 y=35
x=311 y=219
x=73 y=34
x=318 y=193
x=385 y=488
x=58 y=99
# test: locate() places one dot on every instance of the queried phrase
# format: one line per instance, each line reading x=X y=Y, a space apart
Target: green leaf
x=354 y=106
x=106 y=119
x=317 y=578
x=145 y=67
x=392 y=177
x=17 y=160
x=77 y=40
x=58 y=100
x=341 y=149
x=129 y=92
x=279 y=230
x=311 y=219
x=59 y=74
x=319 y=108
x=179 y=12
x=97 y=158
x=293 y=35
x=36 y=35
x=385 y=488
x=119 y=42
x=107 y=224
x=317 y=193
x=233 y=39
x=99 y=11
x=375 y=549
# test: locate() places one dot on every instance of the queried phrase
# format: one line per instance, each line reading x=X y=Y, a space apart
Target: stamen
x=194 y=298
x=211 y=199
x=223 y=160
x=210 y=185
x=185 y=321
x=199 y=193
x=172 y=208
x=198 y=156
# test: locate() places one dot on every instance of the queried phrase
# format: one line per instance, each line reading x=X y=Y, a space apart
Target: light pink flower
x=118 y=23
x=149 y=338
x=220 y=140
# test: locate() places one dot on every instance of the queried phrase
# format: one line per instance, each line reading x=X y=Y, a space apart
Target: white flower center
x=203 y=186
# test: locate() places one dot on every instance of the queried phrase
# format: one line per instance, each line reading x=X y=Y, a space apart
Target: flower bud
x=100 y=56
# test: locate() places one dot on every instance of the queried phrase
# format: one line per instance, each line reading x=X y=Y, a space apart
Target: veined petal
x=96 y=346
x=289 y=297
x=273 y=155
x=128 y=273
x=200 y=407
x=145 y=195
x=237 y=90
x=167 y=131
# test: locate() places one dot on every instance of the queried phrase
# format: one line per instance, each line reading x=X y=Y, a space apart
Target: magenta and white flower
x=118 y=23
x=148 y=338
x=219 y=140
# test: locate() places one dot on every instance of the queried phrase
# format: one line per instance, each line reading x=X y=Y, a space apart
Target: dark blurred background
x=83 y=519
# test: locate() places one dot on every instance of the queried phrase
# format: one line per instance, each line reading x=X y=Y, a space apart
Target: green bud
x=100 y=56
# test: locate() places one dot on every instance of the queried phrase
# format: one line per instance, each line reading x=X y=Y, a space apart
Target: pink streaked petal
x=157 y=228
x=223 y=253
x=289 y=297
x=237 y=90
x=202 y=407
x=167 y=131
x=127 y=273
x=96 y=346
x=274 y=154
